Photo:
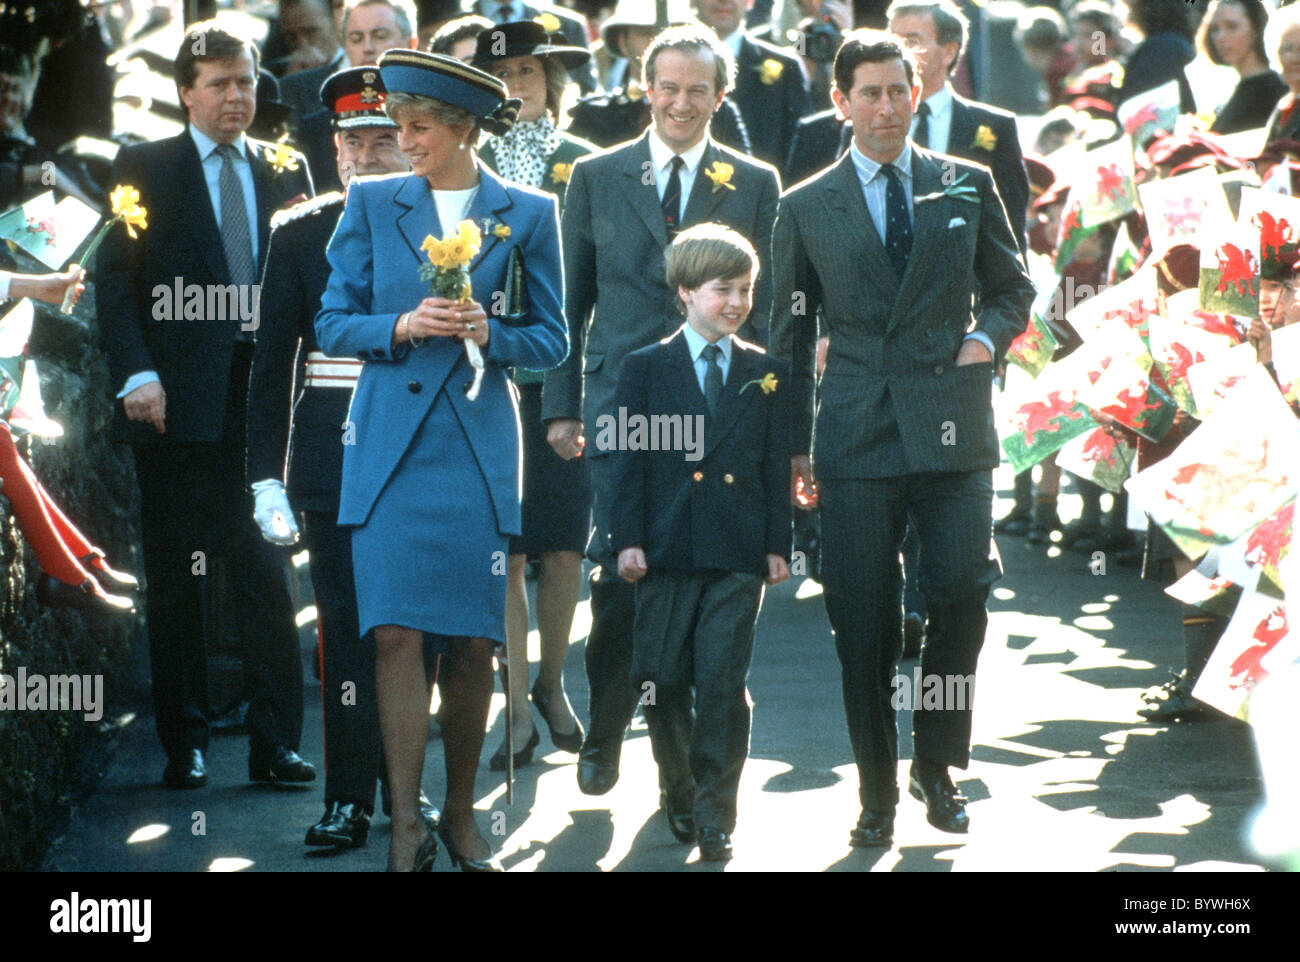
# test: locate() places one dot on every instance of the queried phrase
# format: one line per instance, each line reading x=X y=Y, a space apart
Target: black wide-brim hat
x=524 y=38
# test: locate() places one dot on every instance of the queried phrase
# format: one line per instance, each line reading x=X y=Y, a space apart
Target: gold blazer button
x=698 y=475
x=728 y=479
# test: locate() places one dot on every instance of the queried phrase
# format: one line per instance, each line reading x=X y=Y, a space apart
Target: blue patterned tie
x=898 y=227
x=235 y=236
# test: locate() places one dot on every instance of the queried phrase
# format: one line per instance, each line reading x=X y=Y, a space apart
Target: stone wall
x=93 y=481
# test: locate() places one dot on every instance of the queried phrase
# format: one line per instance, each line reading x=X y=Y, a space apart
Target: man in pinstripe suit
x=911 y=258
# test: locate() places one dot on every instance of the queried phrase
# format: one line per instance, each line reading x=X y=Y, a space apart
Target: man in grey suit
x=622 y=208
x=912 y=260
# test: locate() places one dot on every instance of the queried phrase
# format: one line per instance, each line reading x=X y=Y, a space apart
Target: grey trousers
x=695 y=630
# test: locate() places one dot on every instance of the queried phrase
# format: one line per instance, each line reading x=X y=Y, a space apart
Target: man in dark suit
x=770 y=90
x=572 y=26
x=911 y=259
x=947 y=122
x=622 y=208
x=177 y=311
x=700 y=528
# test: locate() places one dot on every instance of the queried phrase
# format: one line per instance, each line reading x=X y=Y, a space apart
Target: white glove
x=272 y=513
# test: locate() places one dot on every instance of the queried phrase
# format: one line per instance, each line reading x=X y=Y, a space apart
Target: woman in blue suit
x=430 y=477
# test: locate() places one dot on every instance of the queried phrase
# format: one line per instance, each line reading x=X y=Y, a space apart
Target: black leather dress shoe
x=875 y=829
x=344 y=825
x=598 y=768
x=945 y=807
x=681 y=821
x=281 y=765
x=186 y=770
x=715 y=845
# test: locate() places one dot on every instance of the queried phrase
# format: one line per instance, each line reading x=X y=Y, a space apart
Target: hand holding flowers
x=450 y=311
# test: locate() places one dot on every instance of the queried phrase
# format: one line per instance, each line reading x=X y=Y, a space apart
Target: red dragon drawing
x=1238 y=267
x=1274 y=233
x=1246 y=670
x=1045 y=416
x=1271 y=540
x=45 y=226
x=1110 y=183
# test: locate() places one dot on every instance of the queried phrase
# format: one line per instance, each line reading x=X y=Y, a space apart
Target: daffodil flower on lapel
x=767 y=383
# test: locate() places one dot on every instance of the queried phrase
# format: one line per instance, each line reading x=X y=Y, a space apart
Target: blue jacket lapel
x=489 y=203
x=420 y=217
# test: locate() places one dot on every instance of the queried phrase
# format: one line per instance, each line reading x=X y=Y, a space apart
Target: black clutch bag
x=516 y=301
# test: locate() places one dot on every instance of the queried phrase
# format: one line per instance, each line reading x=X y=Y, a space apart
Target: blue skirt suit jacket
x=431 y=480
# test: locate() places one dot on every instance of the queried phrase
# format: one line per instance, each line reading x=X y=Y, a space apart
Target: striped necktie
x=672 y=199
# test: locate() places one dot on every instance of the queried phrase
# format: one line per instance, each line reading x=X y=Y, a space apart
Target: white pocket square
x=957 y=222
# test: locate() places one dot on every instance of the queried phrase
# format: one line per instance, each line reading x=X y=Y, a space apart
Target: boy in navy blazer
x=703 y=520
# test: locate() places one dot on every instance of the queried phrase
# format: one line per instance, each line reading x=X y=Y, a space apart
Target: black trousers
x=195 y=507
x=693 y=641
x=612 y=700
x=348 y=699
x=863 y=525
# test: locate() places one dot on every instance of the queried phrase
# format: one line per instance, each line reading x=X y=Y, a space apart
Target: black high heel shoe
x=427 y=853
x=497 y=763
x=571 y=742
x=464 y=862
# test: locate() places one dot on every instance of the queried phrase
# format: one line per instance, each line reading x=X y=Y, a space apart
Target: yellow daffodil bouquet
x=125 y=203
x=447 y=274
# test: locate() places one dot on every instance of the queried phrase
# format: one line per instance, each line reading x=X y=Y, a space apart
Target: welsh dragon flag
x=1036 y=417
x=1257 y=642
x=1230 y=474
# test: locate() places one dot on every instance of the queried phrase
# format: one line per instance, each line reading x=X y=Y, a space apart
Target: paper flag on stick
x=1146 y=114
x=1037 y=417
x=1105 y=177
x=1278 y=220
x=1132 y=302
x=1261 y=550
x=1213 y=378
x=1229 y=267
x=1203 y=588
x=1257 y=642
x=48 y=231
x=1176 y=347
x=1033 y=349
x=1174 y=207
x=1103 y=456
x=1231 y=473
